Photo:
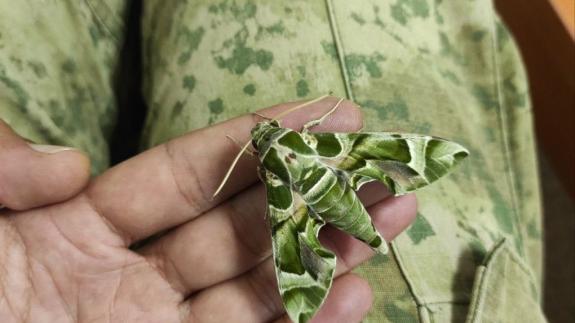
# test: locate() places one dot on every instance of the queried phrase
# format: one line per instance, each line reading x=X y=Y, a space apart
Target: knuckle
x=351 y=114
x=251 y=235
x=186 y=177
x=263 y=285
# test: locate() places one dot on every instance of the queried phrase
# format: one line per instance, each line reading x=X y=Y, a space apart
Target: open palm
x=207 y=261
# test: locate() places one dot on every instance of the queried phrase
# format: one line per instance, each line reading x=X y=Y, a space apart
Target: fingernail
x=49 y=149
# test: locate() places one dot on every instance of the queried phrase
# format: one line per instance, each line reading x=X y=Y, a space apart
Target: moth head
x=262 y=132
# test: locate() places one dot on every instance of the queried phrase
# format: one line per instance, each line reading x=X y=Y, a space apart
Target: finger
x=243 y=240
x=255 y=294
x=348 y=301
x=36 y=175
x=174 y=182
x=372 y=192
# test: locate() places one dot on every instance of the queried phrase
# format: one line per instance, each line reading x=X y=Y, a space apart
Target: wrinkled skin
x=65 y=238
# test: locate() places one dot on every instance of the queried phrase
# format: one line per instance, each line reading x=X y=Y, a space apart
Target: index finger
x=174 y=182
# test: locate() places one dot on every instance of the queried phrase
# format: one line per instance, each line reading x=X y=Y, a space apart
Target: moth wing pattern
x=304 y=268
x=403 y=162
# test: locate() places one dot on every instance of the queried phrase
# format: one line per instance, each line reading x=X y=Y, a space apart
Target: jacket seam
x=503 y=121
x=93 y=9
x=421 y=305
x=339 y=49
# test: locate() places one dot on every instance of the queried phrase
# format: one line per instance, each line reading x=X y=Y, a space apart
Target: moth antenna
x=249 y=151
x=231 y=169
x=297 y=107
x=247 y=144
x=316 y=122
x=262 y=116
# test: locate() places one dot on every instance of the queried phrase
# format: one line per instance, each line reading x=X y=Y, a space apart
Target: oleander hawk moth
x=311 y=179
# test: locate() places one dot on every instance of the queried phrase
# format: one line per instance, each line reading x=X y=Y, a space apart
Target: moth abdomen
x=335 y=202
x=354 y=219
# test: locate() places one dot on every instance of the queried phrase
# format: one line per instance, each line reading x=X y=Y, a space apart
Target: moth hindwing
x=311 y=179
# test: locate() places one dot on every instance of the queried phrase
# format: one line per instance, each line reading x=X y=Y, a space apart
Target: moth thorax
x=263 y=132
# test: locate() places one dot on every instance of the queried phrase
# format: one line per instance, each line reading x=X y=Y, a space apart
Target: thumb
x=36 y=175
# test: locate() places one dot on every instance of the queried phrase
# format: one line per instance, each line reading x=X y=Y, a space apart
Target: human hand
x=36 y=175
x=71 y=262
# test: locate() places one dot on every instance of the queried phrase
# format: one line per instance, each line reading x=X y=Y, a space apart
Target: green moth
x=311 y=179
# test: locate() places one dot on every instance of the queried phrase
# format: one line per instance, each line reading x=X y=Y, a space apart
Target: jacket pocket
x=505 y=290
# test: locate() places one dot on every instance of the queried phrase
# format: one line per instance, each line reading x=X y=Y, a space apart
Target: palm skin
x=77 y=270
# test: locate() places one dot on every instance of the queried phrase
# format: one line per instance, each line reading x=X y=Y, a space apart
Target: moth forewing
x=304 y=269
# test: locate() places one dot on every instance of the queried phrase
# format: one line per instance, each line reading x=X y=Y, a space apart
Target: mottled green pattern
x=420 y=230
x=311 y=180
x=304 y=268
x=57 y=61
x=442 y=67
x=404 y=162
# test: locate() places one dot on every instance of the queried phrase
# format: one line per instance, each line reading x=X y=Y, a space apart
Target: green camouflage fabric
x=443 y=67
x=57 y=60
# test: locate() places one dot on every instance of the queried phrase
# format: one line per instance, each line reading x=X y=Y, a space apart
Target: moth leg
x=248 y=150
x=262 y=175
x=318 y=121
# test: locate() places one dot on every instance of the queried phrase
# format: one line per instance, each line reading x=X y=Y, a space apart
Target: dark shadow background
x=132 y=109
x=549 y=54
